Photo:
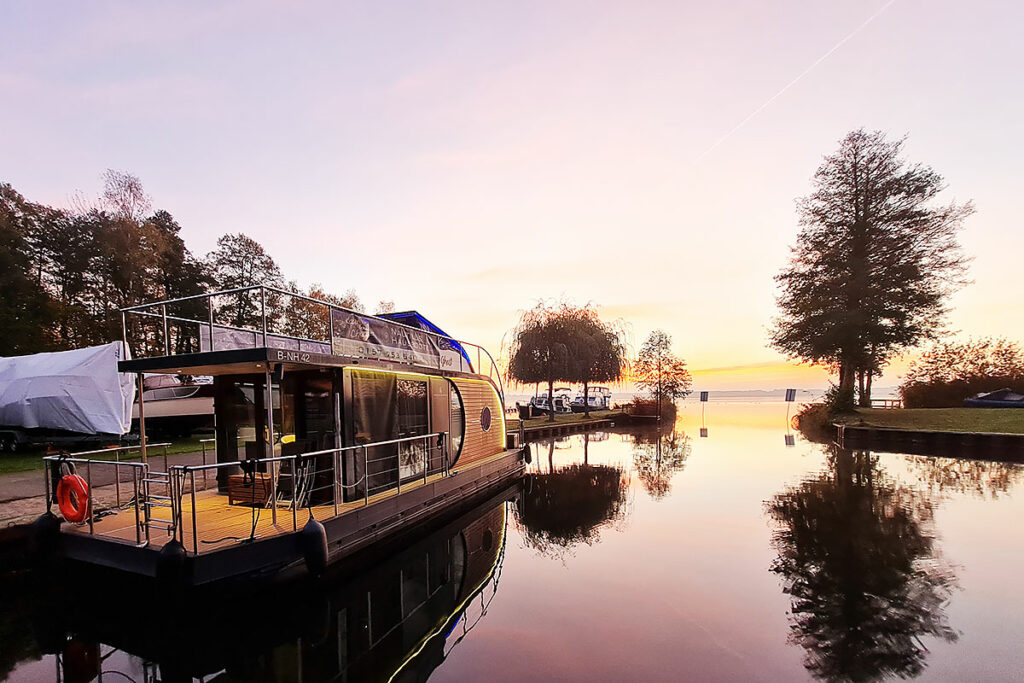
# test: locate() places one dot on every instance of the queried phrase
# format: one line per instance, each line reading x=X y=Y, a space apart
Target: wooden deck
x=221 y=525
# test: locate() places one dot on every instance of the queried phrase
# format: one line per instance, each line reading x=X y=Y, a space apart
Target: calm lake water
x=634 y=556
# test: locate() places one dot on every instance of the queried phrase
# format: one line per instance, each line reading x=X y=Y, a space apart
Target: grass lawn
x=33 y=460
x=1003 y=420
x=513 y=423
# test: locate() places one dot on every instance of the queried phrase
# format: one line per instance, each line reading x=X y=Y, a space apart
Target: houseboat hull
x=359 y=622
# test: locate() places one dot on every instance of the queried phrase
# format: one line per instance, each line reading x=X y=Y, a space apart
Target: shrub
x=815 y=422
x=838 y=401
x=648 y=407
x=949 y=372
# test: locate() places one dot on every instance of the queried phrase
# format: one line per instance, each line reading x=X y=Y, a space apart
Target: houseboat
x=598 y=398
x=334 y=430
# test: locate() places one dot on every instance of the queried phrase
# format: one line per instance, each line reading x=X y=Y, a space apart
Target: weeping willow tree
x=598 y=351
x=539 y=352
x=566 y=343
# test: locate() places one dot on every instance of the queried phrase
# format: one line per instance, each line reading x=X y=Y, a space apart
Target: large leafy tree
x=874 y=262
x=240 y=261
x=597 y=350
x=540 y=350
x=659 y=371
x=26 y=312
x=304 y=318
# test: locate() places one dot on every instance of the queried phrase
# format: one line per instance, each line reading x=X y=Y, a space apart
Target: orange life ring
x=73 y=498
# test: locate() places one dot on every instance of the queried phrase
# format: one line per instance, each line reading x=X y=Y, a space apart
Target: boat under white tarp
x=77 y=391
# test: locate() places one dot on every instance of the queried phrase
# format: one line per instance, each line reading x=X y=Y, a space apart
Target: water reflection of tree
x=980 y=478
x=657 y=458
x=568 y=506
x=859 y=562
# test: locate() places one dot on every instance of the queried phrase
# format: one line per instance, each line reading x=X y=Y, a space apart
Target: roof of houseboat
x=177 y=338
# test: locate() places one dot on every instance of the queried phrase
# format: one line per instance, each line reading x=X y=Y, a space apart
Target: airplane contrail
x=793 y=82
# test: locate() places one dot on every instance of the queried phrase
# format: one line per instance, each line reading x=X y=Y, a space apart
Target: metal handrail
x=326 y=451
x=139 y=471
x=263 y=289
x=115 y=449
x=180 y=472
x=256 y=333
x=87 y=461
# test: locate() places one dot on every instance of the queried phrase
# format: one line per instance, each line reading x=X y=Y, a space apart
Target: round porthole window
x=485 y=419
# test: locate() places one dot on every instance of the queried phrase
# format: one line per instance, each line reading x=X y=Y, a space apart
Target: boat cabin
x=329 y=422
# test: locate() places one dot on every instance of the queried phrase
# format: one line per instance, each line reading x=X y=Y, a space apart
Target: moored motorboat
x=598 y=398
x=561 y=402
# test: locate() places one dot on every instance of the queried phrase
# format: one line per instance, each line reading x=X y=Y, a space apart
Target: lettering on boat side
x=293 y=356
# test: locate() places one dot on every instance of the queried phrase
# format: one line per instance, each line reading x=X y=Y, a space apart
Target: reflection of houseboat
x=175 y=407
x=370 y=425
x=599 y=398
x=561 y=399
x=391 y=617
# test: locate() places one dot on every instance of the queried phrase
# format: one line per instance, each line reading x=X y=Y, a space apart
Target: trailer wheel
x=8 y=443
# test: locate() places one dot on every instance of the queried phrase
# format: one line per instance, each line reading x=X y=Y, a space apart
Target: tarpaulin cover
x=79 y=391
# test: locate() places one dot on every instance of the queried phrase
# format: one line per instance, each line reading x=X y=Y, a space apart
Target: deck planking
x=220 y=525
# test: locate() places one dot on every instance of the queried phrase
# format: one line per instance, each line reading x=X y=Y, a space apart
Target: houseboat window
x=457 y=426
x=388 y=406
x=412 y=421
x=240 y=418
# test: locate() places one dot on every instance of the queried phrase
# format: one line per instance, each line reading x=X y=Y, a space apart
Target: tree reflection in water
x=657 y=457
x=980 y=478
x=570 y=505
x=859 y=561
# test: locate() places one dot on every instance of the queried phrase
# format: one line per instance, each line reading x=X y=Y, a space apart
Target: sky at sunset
x=468 y=158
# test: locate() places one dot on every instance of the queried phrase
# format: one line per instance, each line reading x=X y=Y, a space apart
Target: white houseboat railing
x=430 y=458
x=178 y=329
x=301 y=492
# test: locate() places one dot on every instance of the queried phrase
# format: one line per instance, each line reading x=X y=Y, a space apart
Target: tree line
x=66 y=272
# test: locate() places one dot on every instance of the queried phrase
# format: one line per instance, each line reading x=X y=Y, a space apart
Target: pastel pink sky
x=469 y=158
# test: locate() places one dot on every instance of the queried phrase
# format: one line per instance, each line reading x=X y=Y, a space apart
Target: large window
x=412 y=421
x=388 y=406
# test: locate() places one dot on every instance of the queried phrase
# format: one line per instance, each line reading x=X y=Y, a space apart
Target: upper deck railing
x=270 y=317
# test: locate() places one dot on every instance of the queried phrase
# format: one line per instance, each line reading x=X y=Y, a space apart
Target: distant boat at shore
x=1004 y=398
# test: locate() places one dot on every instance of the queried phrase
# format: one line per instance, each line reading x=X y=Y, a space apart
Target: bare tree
x=660 y=372
x=124 y=196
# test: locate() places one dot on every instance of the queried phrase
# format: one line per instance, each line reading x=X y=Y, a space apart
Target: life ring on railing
x=73 y=498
